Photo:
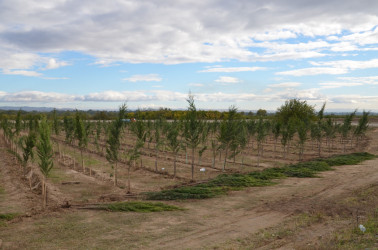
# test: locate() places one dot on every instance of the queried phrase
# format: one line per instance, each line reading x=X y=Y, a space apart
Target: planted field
x=210 y=192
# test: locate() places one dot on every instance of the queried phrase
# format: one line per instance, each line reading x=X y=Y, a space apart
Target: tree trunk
x=128 y=178
x=115 y=173
x=82 y=160
x=44 y=192
x=193 y=163
x=225 y=160
x=174 y=166
x=156 y=161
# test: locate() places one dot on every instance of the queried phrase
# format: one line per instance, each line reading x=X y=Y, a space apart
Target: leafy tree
x=261 y=112
x=242 y=139
x=228 y=132
x=18 y=123
x=133 y=155
x=302 y=129
x=261 y=134
x=173 y=142
x=295 y=109
x=329 y=128
x=55 y=123
x=276 y=130
x=113 y=141
x=346 y=128
x=45 y=155
x=28 y=144
x=192 y=129
x=363 y=125
x=158 y=141
x=81 y=136
x=139 y=129
x=69 y=128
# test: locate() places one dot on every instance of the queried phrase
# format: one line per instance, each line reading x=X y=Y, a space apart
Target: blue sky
x=94 y=54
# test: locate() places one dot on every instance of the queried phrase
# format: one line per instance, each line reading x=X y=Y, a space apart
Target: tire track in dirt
x=268 y=206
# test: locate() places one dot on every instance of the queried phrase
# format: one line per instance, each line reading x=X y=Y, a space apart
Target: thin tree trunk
x=156 y=161
x=128 y=179
x=44 y=192
x=192 y=163
x=225 y=160
x=115 y=173
x=82 y=160
x=174 y=166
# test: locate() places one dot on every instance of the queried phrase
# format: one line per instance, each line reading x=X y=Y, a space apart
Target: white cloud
x=178 y=32
x=332 y=85
x=228 y=79
x=54 y=64
x=37 y=96
x=373 y=80
x=196 y=85
x=314 y=71
x=332 y=67
x=143 y=78
x=232 y=69
x=148 y=98
x=22 y=72
x=285 y=85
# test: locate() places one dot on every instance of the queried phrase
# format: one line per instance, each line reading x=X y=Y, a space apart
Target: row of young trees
x=295 y=123
x=24 y=147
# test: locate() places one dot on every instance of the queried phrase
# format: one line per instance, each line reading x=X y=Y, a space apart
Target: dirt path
x=205 y=224
x=246 y=212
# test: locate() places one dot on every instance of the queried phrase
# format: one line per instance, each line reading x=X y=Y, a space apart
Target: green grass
x=354 y=238
x=225 y=182
x=7 y=217
x=2 y=190
x=138 y=206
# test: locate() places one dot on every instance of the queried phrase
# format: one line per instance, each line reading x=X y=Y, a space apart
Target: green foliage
x=8 y=216
x=183 y=193
x=192 y=125
x=55 y=122
x=363 y=124
x=18 y=122
x=69 y=128
x=28 y=145
x=44 y=148
x=113 y=142
x=295 y=109
x=225 y=182
x=349 y=159
x=139 y=206
x=80 y=131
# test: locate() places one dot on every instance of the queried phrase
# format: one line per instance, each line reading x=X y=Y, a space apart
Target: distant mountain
x=30 y=109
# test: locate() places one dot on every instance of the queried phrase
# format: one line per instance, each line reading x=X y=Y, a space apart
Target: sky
x=95 y=54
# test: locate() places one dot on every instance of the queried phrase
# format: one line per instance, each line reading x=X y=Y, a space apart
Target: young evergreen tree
x=363 y=125
x=228 y=132
x=113 y=141
x=192 y=129
x=45 y=155
x=18 y=123
x=174 y=143
x=81 y=136
x=346 y=128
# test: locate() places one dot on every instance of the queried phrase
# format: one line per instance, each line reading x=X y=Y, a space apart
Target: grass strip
x=225 y=182
x=138 y=206
x=6 y=217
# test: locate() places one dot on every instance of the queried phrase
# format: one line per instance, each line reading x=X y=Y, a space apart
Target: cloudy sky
x=252 y=54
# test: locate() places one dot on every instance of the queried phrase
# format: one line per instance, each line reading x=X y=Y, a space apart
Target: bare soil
x=238 y=220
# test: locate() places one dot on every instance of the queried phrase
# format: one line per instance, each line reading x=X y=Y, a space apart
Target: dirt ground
x=297 y=213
